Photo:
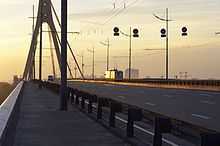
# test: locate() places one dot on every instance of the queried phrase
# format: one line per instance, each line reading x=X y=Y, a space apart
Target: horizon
x=197 y=54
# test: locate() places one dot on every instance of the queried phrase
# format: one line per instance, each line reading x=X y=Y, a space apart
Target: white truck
x=114 y=75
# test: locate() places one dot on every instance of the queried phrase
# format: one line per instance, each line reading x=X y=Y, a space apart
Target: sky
x=198 y=53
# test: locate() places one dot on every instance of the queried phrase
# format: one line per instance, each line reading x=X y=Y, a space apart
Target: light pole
x=41 y=46
x=63 y=87
x=135 y=34
x=33 y=26
x=82 y=62
x=165 y=33
x=107 y=44
x=93 y=62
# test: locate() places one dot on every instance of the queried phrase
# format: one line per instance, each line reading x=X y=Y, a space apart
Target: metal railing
x=161 y=124
x=8 y=115
x=212 y=85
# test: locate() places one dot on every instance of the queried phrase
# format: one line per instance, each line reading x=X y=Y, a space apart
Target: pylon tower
x=44 y=16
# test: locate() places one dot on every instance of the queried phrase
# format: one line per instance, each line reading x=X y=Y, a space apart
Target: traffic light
x=135 y=33
x=163 y=32
x=116 y=31
x=184 y=31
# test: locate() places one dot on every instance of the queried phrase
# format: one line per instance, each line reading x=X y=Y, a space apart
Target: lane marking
x=108 y=85
x=122 y=97
x=207 y=95
x=149 y=103
x=201 y=116
x=170 y=96
x=207 y=102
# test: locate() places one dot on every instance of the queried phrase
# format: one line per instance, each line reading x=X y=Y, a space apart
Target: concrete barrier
x=8 y=116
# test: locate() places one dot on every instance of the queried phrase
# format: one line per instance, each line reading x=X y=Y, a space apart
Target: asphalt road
x=201 y=108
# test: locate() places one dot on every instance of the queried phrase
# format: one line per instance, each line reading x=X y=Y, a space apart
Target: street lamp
x=135 y=34
x=165 y=34
x=93 y=61
x=107 y=44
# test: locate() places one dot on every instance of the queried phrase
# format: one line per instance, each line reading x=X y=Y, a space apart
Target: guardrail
x=162 y=124
x=8 y=116
x=212 y=85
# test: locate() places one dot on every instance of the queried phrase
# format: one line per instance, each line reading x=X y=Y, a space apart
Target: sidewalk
x=42 y=124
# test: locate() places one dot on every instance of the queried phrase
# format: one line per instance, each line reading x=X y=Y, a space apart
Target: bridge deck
x=42 y=124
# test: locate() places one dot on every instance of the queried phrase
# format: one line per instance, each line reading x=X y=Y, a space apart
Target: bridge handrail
x=7 y=109
x=209 y=85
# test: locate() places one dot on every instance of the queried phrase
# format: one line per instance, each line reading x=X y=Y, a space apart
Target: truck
x=114 y=74
x=50 y=78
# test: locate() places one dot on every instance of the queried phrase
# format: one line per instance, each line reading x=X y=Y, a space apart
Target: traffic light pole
x=129 y=66
x=33 y=26
x=63 y=87
x=93 y=63
x=167 y=45
x=108 y=45
x=41 y=47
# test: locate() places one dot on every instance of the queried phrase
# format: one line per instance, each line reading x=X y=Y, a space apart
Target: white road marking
x=170 y=96
x=207 y=102
x=207 y=95
x=149 y=103
x=122 y=97
x=201 y=116
x=108 y=85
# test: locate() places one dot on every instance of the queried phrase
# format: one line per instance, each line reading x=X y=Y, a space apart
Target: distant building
x=134 y=73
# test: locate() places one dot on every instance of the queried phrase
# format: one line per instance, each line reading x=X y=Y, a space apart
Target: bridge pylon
x=44 y=15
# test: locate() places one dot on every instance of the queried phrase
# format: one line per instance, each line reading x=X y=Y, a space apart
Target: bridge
x=100 y=112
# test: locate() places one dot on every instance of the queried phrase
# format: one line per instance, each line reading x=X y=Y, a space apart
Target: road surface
x=201 y=108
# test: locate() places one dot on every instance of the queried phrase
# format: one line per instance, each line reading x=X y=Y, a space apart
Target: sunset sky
x=198 y=53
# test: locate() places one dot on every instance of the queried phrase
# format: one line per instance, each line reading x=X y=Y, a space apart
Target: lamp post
x=107 y=44
x=165 y=33
x=93 y=62
x=63 y=87
x=117 y=32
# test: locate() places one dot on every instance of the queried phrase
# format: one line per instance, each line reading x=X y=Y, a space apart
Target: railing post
x=90 y=106
x=162 y=125
x=134 y=114
x=210 y=139
x=72 y=96
x=99 y=112
x=83 y=102
x=77 y=99
x=92 y=98
x=114 y=108
x=101 y=102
